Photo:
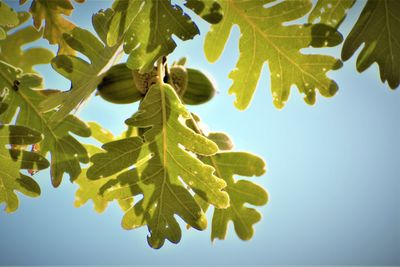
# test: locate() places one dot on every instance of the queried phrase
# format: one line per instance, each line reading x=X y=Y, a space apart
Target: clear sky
x=333 y=178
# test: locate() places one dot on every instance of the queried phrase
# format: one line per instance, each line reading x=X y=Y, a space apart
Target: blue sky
x=333 y=178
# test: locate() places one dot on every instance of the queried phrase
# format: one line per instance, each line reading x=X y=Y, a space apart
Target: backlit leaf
x=240 y=192
x=143 y=17
x=84 y=76
x=12 y=52
x=22 y=100
x=227 y=164
x=8 y=17
x=378 y=29
x=164 y=168
x=100 y=134
x=330 y=12
x=222 y=140
x=208 y=10
x=147 y=28
x=53 y=12
x=11 y=179
x=93 y=189
x=2 y=34
x=265 y=38
x=11 y=46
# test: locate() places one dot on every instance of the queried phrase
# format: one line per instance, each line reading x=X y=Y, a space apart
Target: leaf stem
x=160 y=71
x=196 y=125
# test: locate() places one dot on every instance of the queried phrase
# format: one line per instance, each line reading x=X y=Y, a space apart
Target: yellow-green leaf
x=8 y=18
x=240 y=192
x=147 y=28
x=12 y=161
x=93 y=189
x=2 y=34
x=25 y=59
x=53 y=12
x=330 y=12
x=163 y=170
x=11 y=46
x=84 y=76
x=8 y=15
x=221 y=139
x=100 y=134
x=208 y=10
x=265 y=38
x=227 y=164
x=18 y=91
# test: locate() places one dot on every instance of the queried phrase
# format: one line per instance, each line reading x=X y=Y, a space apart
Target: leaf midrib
x=266 y=37
x=164 y=137
x=97 y=71
x=30 y=104
x=387 y=13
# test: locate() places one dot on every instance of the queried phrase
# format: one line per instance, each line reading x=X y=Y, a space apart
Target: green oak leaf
x=84 y=76
x=265 y=38
x=20 y=94
x=330 y=12
x=221 y=139
x=378 y=29
x=228 y=164
x=100 y=134
x=90 y=189
x=2 y=34
x=53 y=12
x=93 y=189
x=11 y=179
x=146 y=28
x=208 y=10
x=11 y=47
x=165 y=169
x=8 y=17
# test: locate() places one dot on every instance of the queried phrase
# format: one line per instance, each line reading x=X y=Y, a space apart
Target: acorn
x=200 y=88
x=118 y=86
x=121 y=85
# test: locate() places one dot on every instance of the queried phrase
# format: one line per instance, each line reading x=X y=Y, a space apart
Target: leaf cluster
x=166 y=166
x=169 y=165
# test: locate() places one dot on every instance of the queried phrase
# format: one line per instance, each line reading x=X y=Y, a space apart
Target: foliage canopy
x=166 y=165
